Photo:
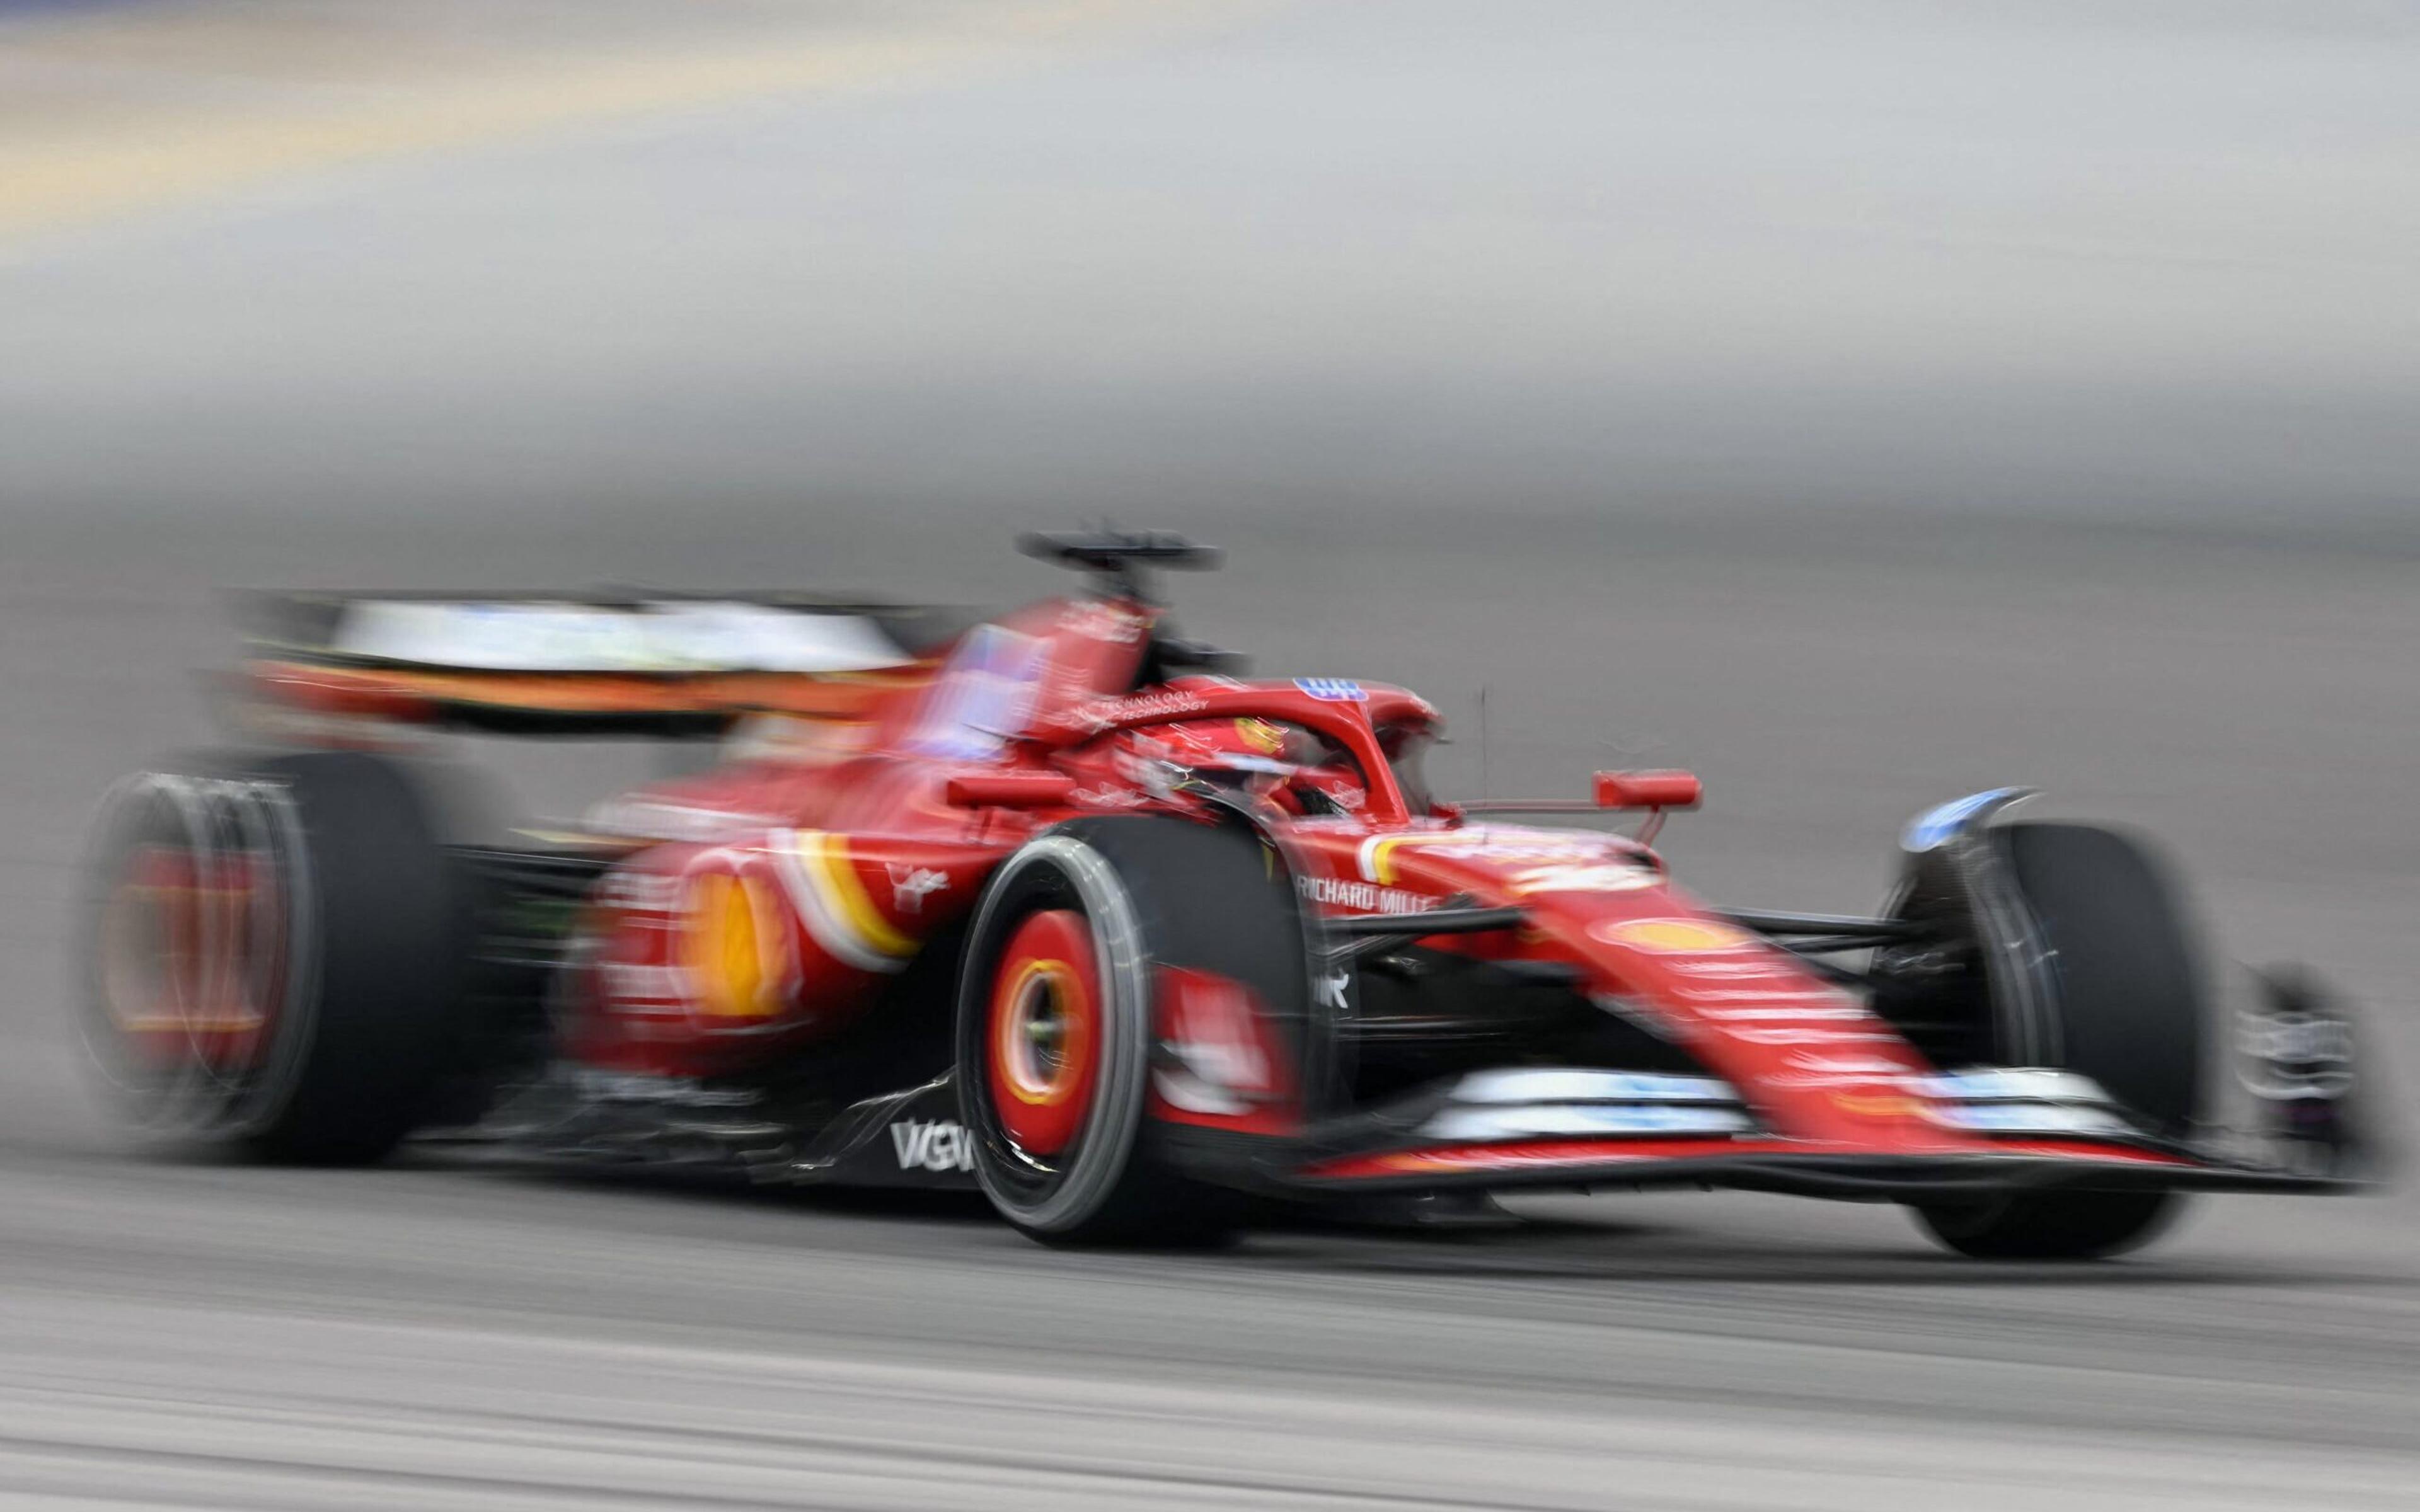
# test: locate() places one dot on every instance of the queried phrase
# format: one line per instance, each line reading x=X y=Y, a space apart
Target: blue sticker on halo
x=1332 y=690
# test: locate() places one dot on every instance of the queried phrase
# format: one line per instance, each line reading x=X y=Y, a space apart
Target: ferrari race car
x=1055 y=906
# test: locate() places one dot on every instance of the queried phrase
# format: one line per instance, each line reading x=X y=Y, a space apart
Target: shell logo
x=1878 y=1105
x=1674 y=936
x=734 y=947
x=1262 y=736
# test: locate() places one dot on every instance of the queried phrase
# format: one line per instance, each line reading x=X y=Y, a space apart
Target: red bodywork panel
x=766 y=904
x=814 y=878
x=721 y=953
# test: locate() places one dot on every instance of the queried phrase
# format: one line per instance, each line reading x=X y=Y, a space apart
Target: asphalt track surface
x=456 y=1332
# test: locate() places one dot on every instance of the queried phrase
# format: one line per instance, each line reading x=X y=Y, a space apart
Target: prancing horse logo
x=912 y=885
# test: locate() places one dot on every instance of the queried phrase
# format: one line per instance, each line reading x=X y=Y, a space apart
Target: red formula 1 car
x=1053 y=906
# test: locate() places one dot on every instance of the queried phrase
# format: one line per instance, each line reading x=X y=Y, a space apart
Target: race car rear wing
x=664 y=665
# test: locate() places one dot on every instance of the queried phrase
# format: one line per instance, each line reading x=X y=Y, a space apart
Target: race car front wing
x=1998 y=1130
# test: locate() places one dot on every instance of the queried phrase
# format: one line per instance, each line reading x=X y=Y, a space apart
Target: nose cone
x=1807 y=1054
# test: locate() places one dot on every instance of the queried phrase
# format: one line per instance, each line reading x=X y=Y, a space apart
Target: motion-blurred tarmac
x=1404 y=318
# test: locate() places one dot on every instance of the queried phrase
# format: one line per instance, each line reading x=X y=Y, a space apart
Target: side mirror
x=1649 y=789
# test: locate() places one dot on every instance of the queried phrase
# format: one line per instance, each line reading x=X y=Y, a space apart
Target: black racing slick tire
x=274 y=956
x=1056 y=1017
x=2052 y=1226
x=2131 y=1011
x=2132 y=986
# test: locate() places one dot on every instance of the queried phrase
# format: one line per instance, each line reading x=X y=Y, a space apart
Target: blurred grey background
x=2096 y=259
x=1860 y=403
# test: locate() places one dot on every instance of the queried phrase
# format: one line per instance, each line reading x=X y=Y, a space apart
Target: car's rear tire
x=1056 y=1017
x=2130 y=1012
x=274 y=956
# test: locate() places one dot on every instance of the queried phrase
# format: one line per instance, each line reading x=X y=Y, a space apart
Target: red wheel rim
x=192 y=958
x=1045 y=1031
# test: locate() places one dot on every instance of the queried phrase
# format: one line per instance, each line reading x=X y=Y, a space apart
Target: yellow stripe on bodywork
x=835 y=880
x=1378 y=858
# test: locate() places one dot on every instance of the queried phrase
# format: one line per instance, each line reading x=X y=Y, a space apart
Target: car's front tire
x=2130 y=1012
x=2053 y=1226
